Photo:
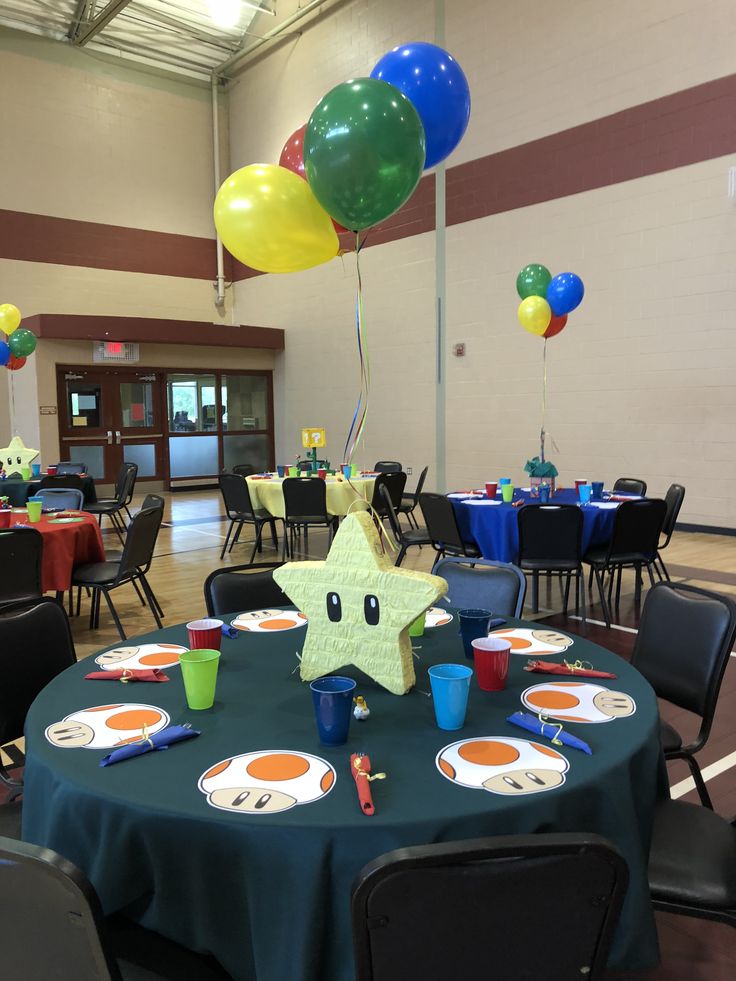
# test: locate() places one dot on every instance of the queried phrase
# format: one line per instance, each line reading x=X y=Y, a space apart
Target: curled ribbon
x=126 y=676
x=578 y=666
x=145 y=738
x=544 y=720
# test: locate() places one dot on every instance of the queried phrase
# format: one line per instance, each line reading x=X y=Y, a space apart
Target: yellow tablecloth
x=340 y=495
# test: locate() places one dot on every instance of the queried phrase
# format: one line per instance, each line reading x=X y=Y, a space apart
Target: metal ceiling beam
x=81 y=15
x=84 y=34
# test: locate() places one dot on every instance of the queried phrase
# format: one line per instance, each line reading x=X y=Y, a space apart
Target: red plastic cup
x=578 y=482
x=322 y=473
x=51 y=471
x=491 y=656
x=491 y=490
x=205 y=635
x=5 y=517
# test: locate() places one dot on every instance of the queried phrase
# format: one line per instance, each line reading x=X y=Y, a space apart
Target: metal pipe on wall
x=220 y=281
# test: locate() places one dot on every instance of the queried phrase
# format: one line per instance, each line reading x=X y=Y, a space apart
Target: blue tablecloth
x=495 y=527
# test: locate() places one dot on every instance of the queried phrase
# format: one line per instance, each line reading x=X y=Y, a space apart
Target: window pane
x=93 y=456
x=83 y=405
x=192 y=407
x=144 y=454
x=136 y=403
x=253 y=450
x=245 y=402
x=193 y=456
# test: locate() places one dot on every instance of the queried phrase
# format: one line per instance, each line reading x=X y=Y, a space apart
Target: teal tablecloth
x=269 y=894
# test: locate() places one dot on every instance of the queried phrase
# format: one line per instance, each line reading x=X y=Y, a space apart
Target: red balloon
x=292 y=157
x=15 y=363
x=556 y=324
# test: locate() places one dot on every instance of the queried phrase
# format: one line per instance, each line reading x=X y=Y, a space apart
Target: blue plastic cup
x=281 y=471
x=473 y=624
x=450 y=686
x=584 y=492
x=504 y=480
x=544 y=493
x=35 y=469
x=333 y=703
x=347 y=470
x=597 y=486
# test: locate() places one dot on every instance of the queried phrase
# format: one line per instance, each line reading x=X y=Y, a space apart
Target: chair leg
x=227 y=539
x=400 y=557
x=618 y=585
x=153 y=605
x=567 y=594
x=153 y=596
x=274 y=536
x=663 y=567
x=604 y=604
x=651 y=574
x=114 y=613
x=580 y=595
x=91 y=608
x=590 y=578
x=637 y=585
x=140 y=596
x=697 y=777
x=285 y=542
x=535 y=592
x=237 y=536
x=257 y=542
x=118 y=526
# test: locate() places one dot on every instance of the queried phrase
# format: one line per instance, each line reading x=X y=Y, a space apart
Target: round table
x=65 y=545
x=18 y=491
x=267 y=493
x=269 y=893
x=494 y=526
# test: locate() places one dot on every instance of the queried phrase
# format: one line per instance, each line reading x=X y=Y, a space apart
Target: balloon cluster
x=546 y=300
x=353 y=164
x=20 y=342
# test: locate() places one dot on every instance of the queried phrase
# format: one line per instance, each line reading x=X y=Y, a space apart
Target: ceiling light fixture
x=226 y=13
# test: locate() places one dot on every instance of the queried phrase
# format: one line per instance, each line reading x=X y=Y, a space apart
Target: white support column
x=440 y=476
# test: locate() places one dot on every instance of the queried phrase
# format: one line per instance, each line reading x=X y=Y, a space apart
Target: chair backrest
x=388 y=511
x=685 y=638
x=140 y=541
x=420 y=483
x=35 y=645
x=64 y=481
x=394 y=482
x=152 y=501
x=388 y=466
x=636 y=530
x=244 y=470
x=52 y=921
x=631 y=485
x=63 y=498
x=481 y=908
x=243 y=587
x=235 y=494
x=305 y=497
x=484 y=584
x=550 y=533
x=439 y=517
x=673 y=499
x=127 y=483
x=68 y=466
x=21 y=550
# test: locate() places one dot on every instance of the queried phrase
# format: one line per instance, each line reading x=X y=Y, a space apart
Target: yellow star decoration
x=359 y=607
x=16 y=455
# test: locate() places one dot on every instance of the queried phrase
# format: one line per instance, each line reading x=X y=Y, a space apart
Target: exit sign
x=115 y=351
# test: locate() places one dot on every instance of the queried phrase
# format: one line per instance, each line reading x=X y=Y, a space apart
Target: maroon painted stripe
x=676 y=130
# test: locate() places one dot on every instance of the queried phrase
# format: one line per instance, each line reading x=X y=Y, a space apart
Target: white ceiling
x=192 y=37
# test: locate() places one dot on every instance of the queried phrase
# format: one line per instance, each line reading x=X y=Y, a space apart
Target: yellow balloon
x=9 y=318
x=269 y=219
x=535 y=314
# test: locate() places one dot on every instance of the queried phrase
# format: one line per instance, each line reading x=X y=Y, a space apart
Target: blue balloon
x=4 y=353
x=564 y=293
x=436 y=85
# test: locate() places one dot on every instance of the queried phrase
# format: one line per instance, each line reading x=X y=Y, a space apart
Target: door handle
x=117 y=437
x=109 y=437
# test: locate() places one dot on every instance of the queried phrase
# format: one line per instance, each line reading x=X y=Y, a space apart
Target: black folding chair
x=682 y=648
x=404 y=539
x=482 y=584
x=388 y=466
x=442 y=526
x=394 y=482
x=305 y=507
x=637 y=527
x=243 y=587
x=692 y=862
x=21 y=550
x=630 y=485
x=112 y=508
x=673 y=499
x=244 y=470
x=35 y=645
x=53 y=927
x=240 y=511
x=71 y=481
x=410 y=501
x=481 y=908
x=61 y=498
x=69 y=466
x=550 y=540
x=103 y=577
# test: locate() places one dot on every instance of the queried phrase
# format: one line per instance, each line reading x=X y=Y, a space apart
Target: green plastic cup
x=417 y=628
x=34 y=510
x=507 y=492
x=293 y=471
x=199 y=671
x=25 y=473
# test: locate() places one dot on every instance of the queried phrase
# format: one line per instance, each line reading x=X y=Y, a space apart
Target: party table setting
x=486 y=518
x=345 y=490
x=223 y=782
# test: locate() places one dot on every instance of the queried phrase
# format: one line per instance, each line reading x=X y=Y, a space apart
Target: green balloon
x=364 y=151
x=22 y=343
x=533 y=280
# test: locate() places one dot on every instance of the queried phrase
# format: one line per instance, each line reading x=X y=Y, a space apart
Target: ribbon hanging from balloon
x=357 y=425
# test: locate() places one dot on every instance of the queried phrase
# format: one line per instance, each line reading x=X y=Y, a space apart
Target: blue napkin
x=159 y=740
x=228 y=631
x=496 y=622
x=550 y=730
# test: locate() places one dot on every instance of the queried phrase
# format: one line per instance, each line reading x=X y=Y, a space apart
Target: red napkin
x=549 y=667
x=128 y=674
x=621 y=500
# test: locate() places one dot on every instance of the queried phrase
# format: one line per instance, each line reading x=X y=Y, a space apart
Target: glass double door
x=110 y=417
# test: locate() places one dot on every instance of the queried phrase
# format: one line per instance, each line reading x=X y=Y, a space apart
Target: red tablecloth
x=64 y=546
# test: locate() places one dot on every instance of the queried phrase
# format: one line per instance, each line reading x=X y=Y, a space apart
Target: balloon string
x=544 y=400
x=357 y=425
x=12 y=401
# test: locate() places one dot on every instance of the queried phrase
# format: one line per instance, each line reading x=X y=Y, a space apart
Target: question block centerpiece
x=541 y=472
x=359 y=607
